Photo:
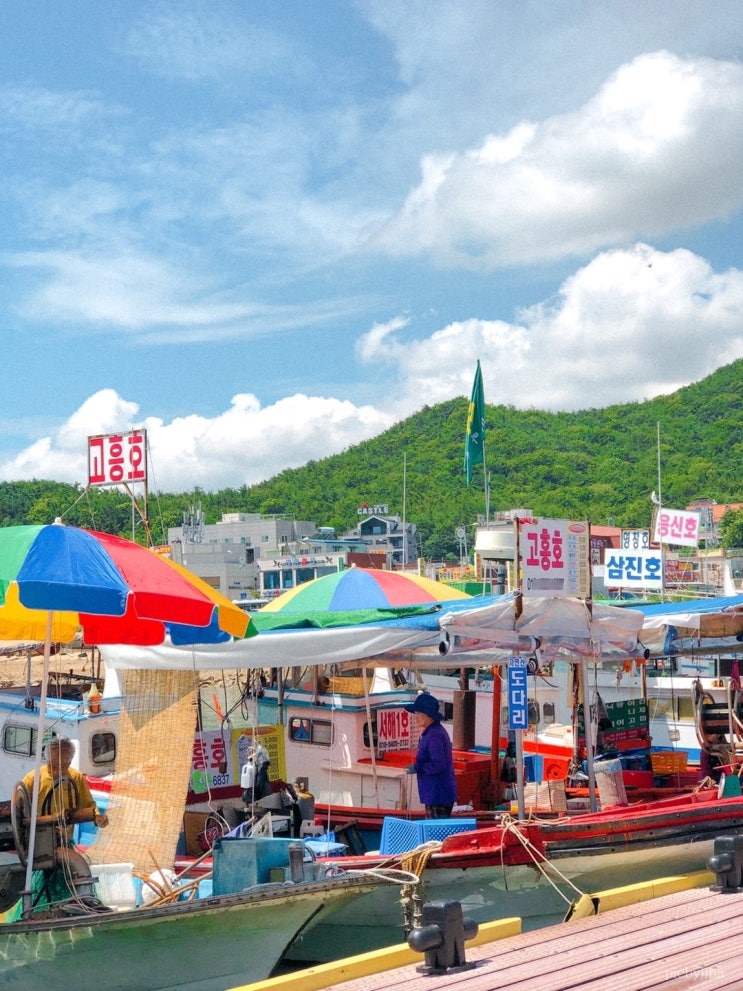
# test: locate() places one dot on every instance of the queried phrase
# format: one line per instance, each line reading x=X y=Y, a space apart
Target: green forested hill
x=599 y=464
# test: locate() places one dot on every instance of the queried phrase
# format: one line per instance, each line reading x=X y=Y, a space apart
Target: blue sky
x=268 y=230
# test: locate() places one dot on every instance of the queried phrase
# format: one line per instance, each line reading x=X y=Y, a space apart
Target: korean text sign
x=642 y=568
x=677 y=526
x=117 y=459
x=518 y=702
x=555 y=558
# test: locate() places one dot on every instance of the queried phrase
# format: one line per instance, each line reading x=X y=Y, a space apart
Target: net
x=153 y=767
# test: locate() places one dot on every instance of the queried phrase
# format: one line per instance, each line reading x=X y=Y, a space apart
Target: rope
x=511 y=827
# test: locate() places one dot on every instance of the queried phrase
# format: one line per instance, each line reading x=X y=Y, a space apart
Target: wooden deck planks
x=688 y=940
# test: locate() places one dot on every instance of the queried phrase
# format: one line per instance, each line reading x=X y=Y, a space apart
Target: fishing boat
x=480 y=865
x=225 y=935
x=536 y=869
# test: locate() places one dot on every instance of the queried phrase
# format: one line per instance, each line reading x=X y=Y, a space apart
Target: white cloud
x=245 y=444
x=202 y=42
x=630 y=325
x=634 y=161
x=152 y=300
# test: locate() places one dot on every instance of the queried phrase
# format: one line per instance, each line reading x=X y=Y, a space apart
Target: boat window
x=103 y=748
x=548 y=713
x=374 y=733
x=305 y=730
x=533 y=712
x=685 y=708
x=20 y=740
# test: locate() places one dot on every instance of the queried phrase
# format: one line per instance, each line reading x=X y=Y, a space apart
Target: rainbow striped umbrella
x=363 y=588
x=112 y=589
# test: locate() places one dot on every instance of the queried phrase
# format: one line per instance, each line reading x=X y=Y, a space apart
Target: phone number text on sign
x=115 y=459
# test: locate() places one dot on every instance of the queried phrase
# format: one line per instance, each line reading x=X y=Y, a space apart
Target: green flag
x=474 y=443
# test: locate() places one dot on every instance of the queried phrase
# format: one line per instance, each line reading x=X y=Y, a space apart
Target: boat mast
x=657 y=513
x=404 y=509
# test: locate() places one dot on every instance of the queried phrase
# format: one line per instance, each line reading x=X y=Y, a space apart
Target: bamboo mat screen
x=153 y=767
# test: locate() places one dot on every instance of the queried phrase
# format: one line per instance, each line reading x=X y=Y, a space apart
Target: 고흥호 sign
x=518 y=702
x=117 y=459
x=555 y=558
x=633 y=569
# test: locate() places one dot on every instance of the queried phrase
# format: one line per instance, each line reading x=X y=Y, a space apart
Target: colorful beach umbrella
x=112 y=589
x=363 y=588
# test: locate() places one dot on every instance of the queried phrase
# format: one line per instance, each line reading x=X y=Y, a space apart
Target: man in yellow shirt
x=61 y=786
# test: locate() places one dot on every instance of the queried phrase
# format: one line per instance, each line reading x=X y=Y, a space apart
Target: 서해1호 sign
x=117 y=459
x=394 y=730
x=555 y=558
x=518 y=702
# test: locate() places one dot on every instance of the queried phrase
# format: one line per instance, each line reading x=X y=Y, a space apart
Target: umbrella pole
x=27 y=894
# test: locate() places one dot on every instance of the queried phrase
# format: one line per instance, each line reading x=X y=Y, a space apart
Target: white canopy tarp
x=564 y=624
x=297 y=648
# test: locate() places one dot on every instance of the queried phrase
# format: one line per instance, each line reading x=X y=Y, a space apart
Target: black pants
x=439 y=811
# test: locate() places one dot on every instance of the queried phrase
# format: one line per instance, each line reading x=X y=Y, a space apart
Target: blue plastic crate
x=534 y=765
x=439 y=829
x=398 y=835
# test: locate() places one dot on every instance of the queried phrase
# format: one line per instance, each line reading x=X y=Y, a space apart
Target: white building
x=248 y=555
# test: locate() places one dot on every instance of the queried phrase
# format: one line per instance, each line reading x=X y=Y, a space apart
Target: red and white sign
x=677 y=526
x=555 y=558
x=394 y=730
x=117 y=459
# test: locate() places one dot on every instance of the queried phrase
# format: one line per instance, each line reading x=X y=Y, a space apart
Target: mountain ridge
x=595 y=464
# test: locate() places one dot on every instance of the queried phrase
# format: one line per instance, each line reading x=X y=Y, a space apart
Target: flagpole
x=486 y=482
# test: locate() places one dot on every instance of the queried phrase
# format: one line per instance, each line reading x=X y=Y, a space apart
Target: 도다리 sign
x=518 y=702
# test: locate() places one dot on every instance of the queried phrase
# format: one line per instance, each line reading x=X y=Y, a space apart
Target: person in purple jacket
x=434 y=765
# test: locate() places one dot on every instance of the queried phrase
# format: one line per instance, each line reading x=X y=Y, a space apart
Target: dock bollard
x=727 y=863
x=441 y=937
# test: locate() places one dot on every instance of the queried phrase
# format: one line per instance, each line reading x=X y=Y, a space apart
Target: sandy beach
x=69 y=660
